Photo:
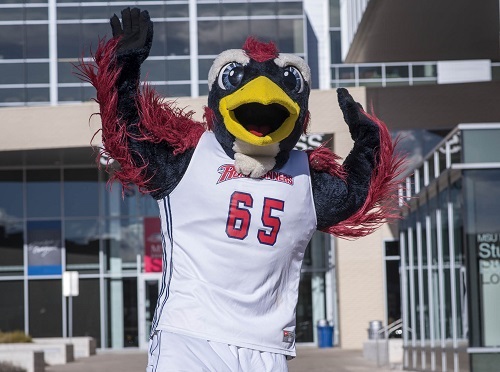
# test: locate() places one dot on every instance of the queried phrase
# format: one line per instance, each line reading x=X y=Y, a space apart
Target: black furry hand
x=136 y=34
x=354 y=115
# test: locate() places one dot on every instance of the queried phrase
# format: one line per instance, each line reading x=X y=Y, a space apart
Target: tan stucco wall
x=359 y=263
x=24 y=128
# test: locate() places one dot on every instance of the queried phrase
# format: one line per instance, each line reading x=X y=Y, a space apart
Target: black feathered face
x=259 y=103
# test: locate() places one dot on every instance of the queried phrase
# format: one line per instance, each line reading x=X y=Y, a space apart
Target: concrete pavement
x=309 y=359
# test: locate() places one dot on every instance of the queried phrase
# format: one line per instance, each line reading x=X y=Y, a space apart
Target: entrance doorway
x=149 y=287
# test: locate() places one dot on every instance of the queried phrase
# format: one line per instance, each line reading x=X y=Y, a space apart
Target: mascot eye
x=230 y=76
x=293 y=79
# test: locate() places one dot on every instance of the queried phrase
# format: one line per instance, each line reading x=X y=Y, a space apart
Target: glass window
x=37 y=73
x=156 y=11
x=11 y=247
x=37 y=41
x=66 y=72
x=178 y=70
x=11 y=194
x=13 y=95
x=424 y=71
x=91 y=33
x=263 y=9
x=203 y=68
x=291 y=35
x=177 y=38
x=82 y=245
x=45 y=308
x=81 y=192
x=70 y=94
x=266 y=29
x=152 y=70
x=12 y=14
x=481 y=145
x=69 y=42
x=484 y=238
x=86 y=310
x=177 y=10
x=159 y=41
x=38 y=94
x=370 y=72
x=335 y=47
x=208 y=10
x=182 y=90
x=235 y=10
x=12 y=41
x=347 y=73
x=39 y=13
x=123 y=240
x=69 y=13
x=290 y=8
x=396 y=72
x=43 y=193
x=334 y=13
x=122 y=316
x=203 y=89
x=12 y=305
x=12 y=73
x=234 y=34
x=209 y=37
x=94 y=12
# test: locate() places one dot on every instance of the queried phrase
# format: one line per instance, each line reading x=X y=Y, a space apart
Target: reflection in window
x=235 y=10
x=177 y=10
x=265 y=29
x=37 y=41
x=263 y=9
x=11 y=194
x=335 y=48
x=43 y=193
x=177 y=38
x=290 y=8
x=291 y=35
x=234 y=33
x=123 y=240
x=12 y=41
x=13 y=95
x=82 y=245
x=11 y=247
x=370 y=72
x=209 y=37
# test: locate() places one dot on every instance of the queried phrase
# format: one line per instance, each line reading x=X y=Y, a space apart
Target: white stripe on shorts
x=171 y=352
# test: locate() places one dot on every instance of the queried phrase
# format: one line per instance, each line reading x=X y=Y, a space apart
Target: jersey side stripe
x=165 y=290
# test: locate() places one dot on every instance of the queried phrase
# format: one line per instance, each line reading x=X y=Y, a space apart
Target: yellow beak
x=259 y=91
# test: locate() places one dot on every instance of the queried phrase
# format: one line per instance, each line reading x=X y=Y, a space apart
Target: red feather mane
x=260 y=51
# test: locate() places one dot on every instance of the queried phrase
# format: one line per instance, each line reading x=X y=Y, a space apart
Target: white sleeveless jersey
x=233 y=250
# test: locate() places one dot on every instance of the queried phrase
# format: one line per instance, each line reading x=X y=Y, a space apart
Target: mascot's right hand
x=136 y=35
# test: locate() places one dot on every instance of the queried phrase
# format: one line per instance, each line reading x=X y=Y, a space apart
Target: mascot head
x=257 y=105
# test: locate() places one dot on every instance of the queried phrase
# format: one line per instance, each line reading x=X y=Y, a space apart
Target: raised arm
x=151 y=139
x=353 y=199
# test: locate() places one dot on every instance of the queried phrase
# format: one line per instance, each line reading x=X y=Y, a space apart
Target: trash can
x=325 y=334
x=374 y=330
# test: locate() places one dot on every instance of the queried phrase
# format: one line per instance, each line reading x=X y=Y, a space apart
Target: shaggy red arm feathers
x=381 y=204
x=158 y=120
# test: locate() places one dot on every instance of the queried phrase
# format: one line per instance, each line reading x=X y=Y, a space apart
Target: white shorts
x=178 y=353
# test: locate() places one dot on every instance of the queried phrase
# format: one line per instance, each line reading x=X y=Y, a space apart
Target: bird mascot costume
x=238 y=205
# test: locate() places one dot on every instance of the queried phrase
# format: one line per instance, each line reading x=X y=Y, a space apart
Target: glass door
x=149 y=288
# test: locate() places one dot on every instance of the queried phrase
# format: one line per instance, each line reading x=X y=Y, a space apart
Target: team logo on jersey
x=228 y=172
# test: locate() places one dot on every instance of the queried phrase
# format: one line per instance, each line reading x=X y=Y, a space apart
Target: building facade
x=449 y=255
